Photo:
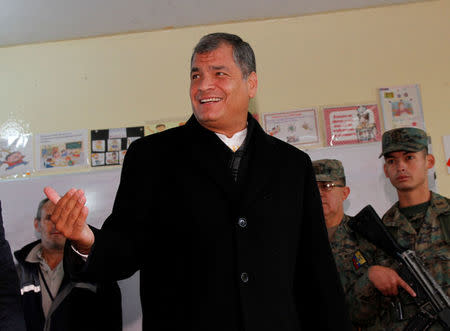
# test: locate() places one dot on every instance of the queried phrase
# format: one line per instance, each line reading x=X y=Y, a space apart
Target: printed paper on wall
x=161 y=125
x=354 y=124
x=402 y=107
x=16 y=155
x=61 y=150
x=297 y=127
x=108 y=146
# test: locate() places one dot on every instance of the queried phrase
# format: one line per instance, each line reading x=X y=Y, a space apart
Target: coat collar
x=438 y=205
x=262 y=165
x=395 y=220
x=210 y=156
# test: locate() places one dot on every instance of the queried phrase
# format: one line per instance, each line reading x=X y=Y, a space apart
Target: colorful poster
x=108 y=146
x=297 y=127
x=62 y=150
x=447 y=152
x=16 y=155
x=352 y=124
x=402 y=107
x=161 y=125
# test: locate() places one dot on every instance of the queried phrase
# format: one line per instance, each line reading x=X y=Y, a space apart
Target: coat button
x=242 y=222
x=244 y=277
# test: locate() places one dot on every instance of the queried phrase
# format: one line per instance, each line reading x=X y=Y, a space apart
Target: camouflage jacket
x=353 y=256
x=431 y=245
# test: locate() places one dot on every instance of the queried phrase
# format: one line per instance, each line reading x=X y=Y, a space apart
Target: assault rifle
x=433 y=303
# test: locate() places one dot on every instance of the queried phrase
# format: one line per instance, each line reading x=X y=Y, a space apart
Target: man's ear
x=346 y=192
x=36 y=225
x=252 y=84
x=430 y=161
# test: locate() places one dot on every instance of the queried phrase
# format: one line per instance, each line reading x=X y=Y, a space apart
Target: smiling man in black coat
x=226 y=225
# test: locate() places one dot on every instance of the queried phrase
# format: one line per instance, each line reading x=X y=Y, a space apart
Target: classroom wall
x=328 y=59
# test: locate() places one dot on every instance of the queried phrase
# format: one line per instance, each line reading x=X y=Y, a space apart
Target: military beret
x=403 y=139
x=328 y=170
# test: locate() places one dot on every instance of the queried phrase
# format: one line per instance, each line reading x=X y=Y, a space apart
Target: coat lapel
x=261 y=154
x=209 y=156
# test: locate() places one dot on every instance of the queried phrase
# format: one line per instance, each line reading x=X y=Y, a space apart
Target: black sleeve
x=118 y=251
x=11 y=314
x=110 y=300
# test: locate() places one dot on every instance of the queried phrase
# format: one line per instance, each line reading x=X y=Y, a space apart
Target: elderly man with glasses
x=330 y=178
x=353 y=254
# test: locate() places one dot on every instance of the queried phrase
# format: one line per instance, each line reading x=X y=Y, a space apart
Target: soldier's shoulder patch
x=358 y=260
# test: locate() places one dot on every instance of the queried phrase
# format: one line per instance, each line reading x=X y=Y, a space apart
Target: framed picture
x=353 y=124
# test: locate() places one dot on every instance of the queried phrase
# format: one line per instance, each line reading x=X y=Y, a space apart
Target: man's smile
x=210 y=100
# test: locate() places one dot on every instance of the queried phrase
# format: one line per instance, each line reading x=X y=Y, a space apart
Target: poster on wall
x=108 y=146
x=353 y=124
x=402 y=107
x=447 y=151
x=16 y=155
x=296 y=127
x=161 y=125
x=61 y=150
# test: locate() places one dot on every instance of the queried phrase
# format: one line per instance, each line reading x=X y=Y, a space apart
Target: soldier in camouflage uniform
x=351 y=252
x=330 y=178
x=419 y=221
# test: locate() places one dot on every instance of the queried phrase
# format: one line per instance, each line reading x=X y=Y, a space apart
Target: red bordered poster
x=354 y=124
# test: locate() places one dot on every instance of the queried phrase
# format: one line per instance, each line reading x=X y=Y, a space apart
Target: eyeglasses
x=327 y=186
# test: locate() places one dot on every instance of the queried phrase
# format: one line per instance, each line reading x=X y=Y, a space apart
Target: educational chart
x=297 y=127
x=16 y=155
x=352 y=124
x=61 y=150
x=402 y=107
x=110 y=145
x=161 y=125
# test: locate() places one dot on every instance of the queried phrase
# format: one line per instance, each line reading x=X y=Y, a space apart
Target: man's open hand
x=70 y=215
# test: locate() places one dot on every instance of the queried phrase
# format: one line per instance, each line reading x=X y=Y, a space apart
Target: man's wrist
x=80 y=252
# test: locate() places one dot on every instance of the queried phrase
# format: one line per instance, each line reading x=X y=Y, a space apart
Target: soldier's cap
x=328 y=170
x=403 y=139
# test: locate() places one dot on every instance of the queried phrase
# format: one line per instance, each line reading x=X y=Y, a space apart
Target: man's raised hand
x=69 y=217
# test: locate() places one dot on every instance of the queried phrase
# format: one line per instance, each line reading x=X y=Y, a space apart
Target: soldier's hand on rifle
x=387 y=281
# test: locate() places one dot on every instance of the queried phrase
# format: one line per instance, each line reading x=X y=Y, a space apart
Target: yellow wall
x=327 y=59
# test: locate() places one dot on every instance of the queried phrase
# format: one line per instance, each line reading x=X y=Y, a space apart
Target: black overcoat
x=215 y=255
x=11 y=312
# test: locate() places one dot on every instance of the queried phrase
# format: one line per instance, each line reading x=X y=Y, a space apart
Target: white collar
x=235 y=141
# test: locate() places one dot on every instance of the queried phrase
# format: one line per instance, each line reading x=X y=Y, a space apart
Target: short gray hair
x=243 y=54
